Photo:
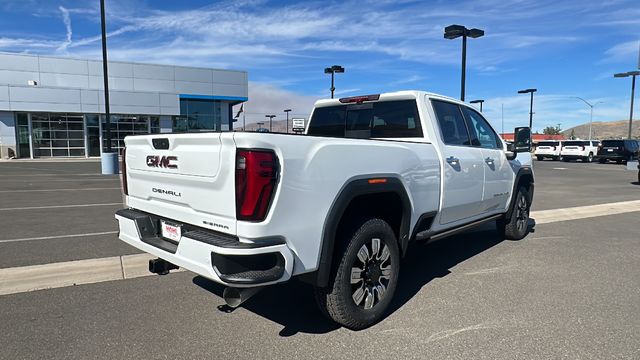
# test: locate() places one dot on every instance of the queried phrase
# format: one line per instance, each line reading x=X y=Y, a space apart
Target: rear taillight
x=256 y=175
x=123 y=171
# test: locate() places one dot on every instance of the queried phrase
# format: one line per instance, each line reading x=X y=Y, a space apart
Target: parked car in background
x=618 y=150
x=585 y=150
x=548 y=150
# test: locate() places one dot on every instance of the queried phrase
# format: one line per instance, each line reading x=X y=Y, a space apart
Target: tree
x=551 y=130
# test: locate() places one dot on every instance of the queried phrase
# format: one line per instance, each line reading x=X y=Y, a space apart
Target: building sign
x=298 y=125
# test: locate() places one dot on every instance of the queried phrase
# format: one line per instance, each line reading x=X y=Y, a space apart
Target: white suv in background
x=579 y=149
x=548 y=149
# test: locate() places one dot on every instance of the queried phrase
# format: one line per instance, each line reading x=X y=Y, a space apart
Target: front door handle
x=453 y=161
x=488 y=160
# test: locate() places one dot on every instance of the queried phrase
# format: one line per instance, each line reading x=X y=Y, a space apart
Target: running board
x=437 y=236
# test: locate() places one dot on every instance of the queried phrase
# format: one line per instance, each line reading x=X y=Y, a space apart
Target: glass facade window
x=198 y=115
x=121 y=126
x=57 y=134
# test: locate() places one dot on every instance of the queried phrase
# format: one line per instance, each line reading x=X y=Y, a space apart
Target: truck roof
x=396 y=95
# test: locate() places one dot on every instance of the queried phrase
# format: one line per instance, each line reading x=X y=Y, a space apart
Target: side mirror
x=521 y=142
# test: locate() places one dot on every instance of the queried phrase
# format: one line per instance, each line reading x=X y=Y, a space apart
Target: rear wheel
x=590 y=157
x=565 y=159
x=364 y=278
x=518 y=226
x=602 y=161
x=540 y=158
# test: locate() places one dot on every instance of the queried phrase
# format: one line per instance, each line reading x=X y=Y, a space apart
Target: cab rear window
x=382 y=119
x=548 y=143
x=576 y=143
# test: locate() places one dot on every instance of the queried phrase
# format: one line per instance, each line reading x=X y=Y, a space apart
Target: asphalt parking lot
x=569 y=290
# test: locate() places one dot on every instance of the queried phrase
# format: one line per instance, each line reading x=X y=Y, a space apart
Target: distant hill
x=605 y=130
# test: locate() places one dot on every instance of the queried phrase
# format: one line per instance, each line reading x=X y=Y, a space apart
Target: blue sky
x=563 y=48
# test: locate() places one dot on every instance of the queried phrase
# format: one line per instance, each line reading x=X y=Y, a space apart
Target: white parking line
x=59 y=206
x=41 y=190
x=59 y=236
x=583 y=212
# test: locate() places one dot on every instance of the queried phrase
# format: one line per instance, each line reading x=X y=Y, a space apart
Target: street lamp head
x=454 y=31
x=327 y=70
x=621 y=75
x=480 y=101
x=287 y=110
x=526 y=91
x=337 y=68
x=475 y=33
x=634 y=73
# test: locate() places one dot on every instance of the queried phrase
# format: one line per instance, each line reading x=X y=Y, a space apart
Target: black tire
x=540 y=158
x=602 y=161
x=565 y=159
x=560 y=158
x=590 y=157
x=518 y=226
x=376 y=283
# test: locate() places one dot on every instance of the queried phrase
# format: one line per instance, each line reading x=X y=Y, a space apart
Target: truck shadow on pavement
x=293 y=306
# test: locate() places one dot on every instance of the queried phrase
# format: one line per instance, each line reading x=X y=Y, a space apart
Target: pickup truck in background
x=336 y=207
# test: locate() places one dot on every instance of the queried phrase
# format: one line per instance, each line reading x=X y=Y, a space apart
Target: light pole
x=633 y=75
x=287 y=112
x=531 y=91
x=480 y=101
x=333 y=70
x=591 y=106
x=455 y=31
x=109 y=160
x=270 y=121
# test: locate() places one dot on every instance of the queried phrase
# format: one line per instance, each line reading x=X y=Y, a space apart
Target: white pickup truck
x=336 y=207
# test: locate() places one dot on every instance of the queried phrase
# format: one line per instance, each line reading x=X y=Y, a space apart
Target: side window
x=452 y=126
x=395 y=119
x=481 y=132
x=327 y=121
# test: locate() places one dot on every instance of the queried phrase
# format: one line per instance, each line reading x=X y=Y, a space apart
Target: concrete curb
x=62 y=274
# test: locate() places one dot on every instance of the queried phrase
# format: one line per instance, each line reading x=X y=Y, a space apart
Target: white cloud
x=624 y=52
x=67 y=24
x=269 y=99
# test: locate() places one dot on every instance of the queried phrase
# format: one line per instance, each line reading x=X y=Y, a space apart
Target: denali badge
x=166 y=192
x=162 y=161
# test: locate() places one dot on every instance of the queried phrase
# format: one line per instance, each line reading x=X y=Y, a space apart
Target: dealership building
x=53 y=107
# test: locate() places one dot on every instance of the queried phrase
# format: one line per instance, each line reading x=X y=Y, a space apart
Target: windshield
x=548 y=143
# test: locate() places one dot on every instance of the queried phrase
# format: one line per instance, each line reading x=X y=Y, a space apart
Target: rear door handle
x=453 y=161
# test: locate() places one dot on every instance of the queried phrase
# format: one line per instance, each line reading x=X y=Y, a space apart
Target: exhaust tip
x=231 y=296
x=234 y=297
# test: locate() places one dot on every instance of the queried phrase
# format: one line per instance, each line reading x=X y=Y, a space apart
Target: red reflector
x=256 y=174
x=123 y=171
x=359 y=99
x=377 y=181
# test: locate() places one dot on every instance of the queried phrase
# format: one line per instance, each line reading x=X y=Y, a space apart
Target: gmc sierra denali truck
x=336 y=207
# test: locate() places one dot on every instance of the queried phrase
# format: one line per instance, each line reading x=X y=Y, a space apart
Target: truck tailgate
x=188 y=178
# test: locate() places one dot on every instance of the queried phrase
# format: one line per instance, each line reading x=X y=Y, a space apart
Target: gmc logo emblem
x=162 y=161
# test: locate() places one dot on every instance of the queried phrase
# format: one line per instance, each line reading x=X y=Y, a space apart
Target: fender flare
x=349 y=192
x=522 y=173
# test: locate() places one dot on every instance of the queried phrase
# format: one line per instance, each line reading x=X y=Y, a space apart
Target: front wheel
x=364 y=278
x=540 y=158
x=518 y=226
x=590 y=157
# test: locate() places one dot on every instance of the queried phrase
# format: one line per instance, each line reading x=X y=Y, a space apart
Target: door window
x=481 y=132
x=452 y=125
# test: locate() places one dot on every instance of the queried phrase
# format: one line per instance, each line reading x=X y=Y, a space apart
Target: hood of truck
x=188 y=178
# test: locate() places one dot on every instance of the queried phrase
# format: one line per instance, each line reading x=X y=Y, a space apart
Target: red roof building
x=535 y=137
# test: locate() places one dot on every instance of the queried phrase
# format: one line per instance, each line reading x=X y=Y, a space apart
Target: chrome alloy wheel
x=522 y=214
x=370 y=274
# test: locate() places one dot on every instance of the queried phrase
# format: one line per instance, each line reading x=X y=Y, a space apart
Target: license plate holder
x=170 y=231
